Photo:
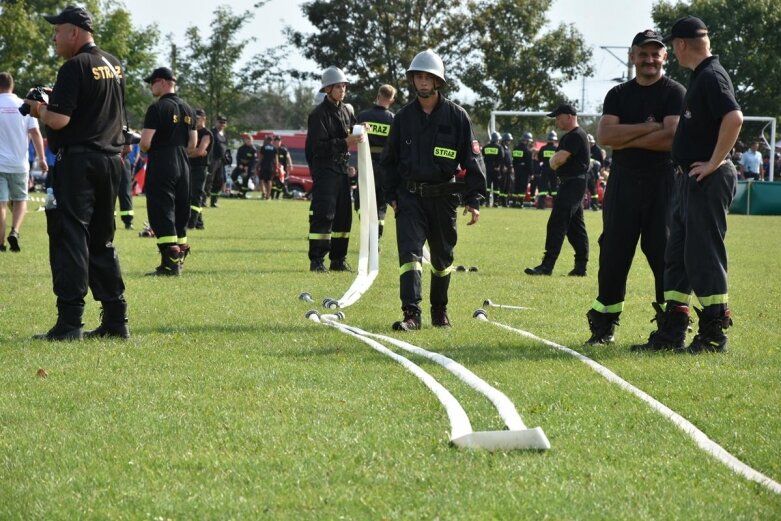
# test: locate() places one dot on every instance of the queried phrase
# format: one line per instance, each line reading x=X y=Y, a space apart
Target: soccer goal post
x=770 y=121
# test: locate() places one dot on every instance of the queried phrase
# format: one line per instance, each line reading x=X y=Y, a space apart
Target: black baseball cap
x=563 y=109
x=161 y=73
x=200 y=113
x=687 y=27
x=222 y=119
x=77 y=16
x=647 y=36
x=277 y=138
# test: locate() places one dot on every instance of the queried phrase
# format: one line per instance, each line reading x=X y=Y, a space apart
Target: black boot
x=439 y=317
x=184 y=251
x=579 y=270
x=340 y=265
x=170 y=265
x=68 y=326
x=602 y=326
x=672 y=324
x=213 y=202
x=113 y=321
x=546 y=268
x=410 y=322
x=317 y=266
x=710 y=337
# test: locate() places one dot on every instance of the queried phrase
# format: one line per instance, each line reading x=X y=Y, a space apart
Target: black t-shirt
x=284 y=156
x=576 y=143
x=202 y=161
x=246 y=155
x=87 y=90
x=634 y=103
x=172 y=119
x=267 y=154
x=709 y=97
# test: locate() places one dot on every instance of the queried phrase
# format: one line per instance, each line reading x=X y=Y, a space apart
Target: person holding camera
x=84 y=126
x=169 y=136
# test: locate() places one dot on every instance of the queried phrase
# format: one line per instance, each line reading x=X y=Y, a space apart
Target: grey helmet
x=591 y=140
x=507 y=136
x=527 y=136
x=552 y=136
x=495 y=137
x=331 y=76
x=427 y=61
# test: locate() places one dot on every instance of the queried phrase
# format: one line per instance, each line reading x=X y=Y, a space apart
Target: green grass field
x=227 y=404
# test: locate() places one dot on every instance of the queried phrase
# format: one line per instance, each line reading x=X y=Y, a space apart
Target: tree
x=374 y=42
x=744 y=33
x=515 y=65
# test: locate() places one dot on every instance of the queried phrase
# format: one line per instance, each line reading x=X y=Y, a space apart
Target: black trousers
x=382 y=206
x=198 y=175
x=330 y=215
x=81 y=228
x=521 y=183
x=215 y=179
x=168 y=195
x=418 y=220
x=126 y=193
x=566 y=220
x=696 y=256
x=636 y=207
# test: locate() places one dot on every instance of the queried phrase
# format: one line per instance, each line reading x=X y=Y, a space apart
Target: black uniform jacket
x=327 y=128
x=378 y=120
x=431 y=148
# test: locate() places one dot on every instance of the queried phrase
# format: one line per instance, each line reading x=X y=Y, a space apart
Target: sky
x=611 y=23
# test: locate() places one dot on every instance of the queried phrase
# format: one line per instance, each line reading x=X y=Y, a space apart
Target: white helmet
x=331 y=76
x=427 y=61
x=591 y=139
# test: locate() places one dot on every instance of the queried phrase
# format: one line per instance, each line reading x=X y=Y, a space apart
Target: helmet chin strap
x=426 y=94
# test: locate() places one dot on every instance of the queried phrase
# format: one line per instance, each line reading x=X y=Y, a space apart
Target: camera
x=131 y=136
x=37 y=93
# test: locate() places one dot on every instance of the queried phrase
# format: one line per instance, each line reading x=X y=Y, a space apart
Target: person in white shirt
x=751 y=162
x=15 y=131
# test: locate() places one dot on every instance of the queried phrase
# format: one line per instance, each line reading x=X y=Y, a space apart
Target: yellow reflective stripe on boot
x=181 y=240
x=340 y=235
x=711 y=300
x=126 y=212
x=442 y=273
x=410 y=266
x=319 y=236
x=677 y=296
x=612 y=308
x=381 y=222
x=169 y=239
x=196 y=208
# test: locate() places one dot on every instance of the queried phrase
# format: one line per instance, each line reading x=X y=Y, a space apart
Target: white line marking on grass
x=461 y=433
x=702 y=440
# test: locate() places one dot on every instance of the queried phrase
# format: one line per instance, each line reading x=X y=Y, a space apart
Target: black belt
x=571 y=177
x=434 y=189
x=83 y=149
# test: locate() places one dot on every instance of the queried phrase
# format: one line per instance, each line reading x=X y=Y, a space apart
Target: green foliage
x=227 y=404
x=745 y=35
x=517 y=66
x=374 y=42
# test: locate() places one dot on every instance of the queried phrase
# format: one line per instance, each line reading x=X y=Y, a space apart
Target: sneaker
x=710 y=337
x=340 y=265
x=538 y=270
x=13 y=240
x=439 y=317
x=317 y=266
x=602 y=326
x=410 y=322
x=671 y=332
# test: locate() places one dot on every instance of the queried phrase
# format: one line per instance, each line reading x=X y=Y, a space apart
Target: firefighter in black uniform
x=570 y=162
x=84 y=126
x=328 y=139
x=220 y=157
x=522 y=167
x=285 y=166
x=378 y=121
x=696 y=256
x=493 y=160
x=546 y=181
x=125 y=193
x=268 y=165
x=506 y=172
x=638 y=120
x=199 y=165
x=168 y=137
x=598 y=156
x=246 y=159
x=431 y=139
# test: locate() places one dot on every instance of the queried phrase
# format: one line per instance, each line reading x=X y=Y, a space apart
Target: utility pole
x=630 y=69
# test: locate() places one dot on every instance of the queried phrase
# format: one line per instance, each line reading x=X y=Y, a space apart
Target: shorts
x=13 y=187
x=266 y=175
